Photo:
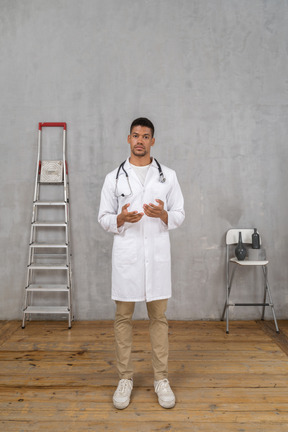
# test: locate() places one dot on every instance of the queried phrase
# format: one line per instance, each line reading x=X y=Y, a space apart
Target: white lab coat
x=141 y=262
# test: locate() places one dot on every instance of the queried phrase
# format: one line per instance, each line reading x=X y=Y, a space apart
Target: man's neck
x=140 y=161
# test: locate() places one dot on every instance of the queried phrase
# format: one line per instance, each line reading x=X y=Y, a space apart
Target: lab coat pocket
x=162 y=247
x=124 y=250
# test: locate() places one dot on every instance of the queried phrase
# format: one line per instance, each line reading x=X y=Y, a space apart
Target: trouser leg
x=158 y=328
x=123 y=338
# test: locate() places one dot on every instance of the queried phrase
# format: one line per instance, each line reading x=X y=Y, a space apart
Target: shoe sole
x=167 y=405
x=122 y=405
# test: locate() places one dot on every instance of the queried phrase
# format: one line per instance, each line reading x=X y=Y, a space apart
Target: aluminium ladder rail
x=43 y=291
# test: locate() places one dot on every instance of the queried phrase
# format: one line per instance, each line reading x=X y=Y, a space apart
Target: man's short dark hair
x=144 y=122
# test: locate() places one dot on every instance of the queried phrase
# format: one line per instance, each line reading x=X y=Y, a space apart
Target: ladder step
x=46 y=310
x=51 y=183
x=48 y=245
x=49 y=203
x=48 y=267
x=49 y=224
x=47 y=288
x=57 y=258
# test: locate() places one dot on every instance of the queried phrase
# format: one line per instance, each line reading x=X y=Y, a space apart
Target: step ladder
x=49 y=274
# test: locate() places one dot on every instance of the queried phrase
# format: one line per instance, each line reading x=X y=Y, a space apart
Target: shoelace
x=162 y=385
x=123 y=385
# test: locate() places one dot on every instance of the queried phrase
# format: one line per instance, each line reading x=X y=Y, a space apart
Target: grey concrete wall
x=211 y=74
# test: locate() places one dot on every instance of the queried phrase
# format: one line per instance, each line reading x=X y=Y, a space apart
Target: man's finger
x=150 y=205
x=151 y=213
x=125 y=206
x=154 y=206
x=134 y=214
x=136 y=218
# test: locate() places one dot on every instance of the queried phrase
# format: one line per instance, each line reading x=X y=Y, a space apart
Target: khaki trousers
x=158 y=329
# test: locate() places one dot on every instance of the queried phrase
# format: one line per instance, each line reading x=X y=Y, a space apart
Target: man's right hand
x=126 y=216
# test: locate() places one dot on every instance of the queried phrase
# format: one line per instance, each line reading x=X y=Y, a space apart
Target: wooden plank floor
x=55 y=379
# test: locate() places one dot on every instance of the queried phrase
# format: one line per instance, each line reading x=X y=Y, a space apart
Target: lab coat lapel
x=152 y=172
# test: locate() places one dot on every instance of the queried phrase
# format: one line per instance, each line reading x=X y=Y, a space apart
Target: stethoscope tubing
x=162 y=179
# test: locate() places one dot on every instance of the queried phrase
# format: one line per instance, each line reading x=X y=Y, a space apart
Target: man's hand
x=154 y=211
x=126 y=216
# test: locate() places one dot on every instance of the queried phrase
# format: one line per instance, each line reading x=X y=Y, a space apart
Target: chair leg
x=227 y=320
x=224 y=311
x=226 y=308
x=272 y=308
x=265 y=295
x=228 y=287
x=228 y=290
x=270 y=299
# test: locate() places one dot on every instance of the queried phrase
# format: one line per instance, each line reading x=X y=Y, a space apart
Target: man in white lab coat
x=140 y=202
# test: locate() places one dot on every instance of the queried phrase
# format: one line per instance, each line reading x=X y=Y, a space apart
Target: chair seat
x=247 y=262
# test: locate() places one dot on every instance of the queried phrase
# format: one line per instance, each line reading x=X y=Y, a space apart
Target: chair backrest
x=232 y=235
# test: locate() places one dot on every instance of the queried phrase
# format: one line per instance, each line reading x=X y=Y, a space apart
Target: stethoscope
x=162 y=179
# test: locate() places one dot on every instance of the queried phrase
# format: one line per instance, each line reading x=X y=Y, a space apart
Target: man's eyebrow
x=136 y=133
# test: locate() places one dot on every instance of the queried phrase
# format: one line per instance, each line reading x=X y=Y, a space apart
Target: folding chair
x=232 y=236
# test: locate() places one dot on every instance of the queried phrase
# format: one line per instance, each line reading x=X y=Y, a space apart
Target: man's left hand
x=158 y=211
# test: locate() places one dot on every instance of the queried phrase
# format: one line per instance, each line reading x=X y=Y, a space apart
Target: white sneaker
x=166 y=397
x=121 y=397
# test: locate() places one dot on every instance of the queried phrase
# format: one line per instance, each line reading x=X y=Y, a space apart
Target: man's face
x=141 y=141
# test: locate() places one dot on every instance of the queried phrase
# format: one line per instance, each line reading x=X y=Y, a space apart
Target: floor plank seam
x=280 y=339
